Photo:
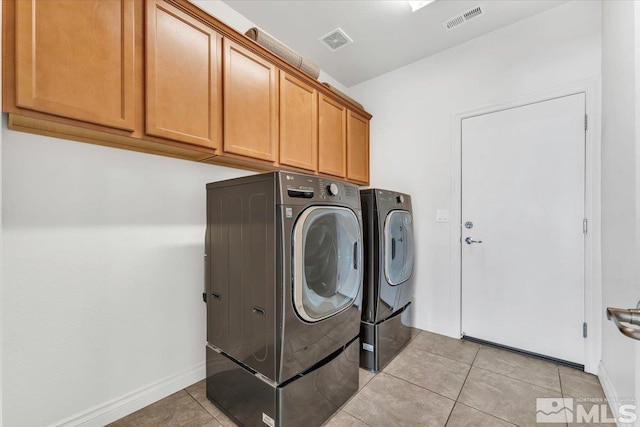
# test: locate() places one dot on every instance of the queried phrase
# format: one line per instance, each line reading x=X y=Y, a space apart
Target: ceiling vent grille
x=335 y=40
x=456 y=21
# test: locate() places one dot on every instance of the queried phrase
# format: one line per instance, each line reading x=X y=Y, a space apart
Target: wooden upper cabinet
x=357 y=148
x=332 y=139
x=298 y=123
x=184 y=77
x=76 y=59
x=250 y=103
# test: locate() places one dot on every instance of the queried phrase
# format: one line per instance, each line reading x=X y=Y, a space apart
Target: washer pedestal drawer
x=381 y=342
x=309 y=399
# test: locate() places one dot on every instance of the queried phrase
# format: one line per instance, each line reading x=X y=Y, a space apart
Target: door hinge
x=584 y=226
x=586 y=122
x=584 y=330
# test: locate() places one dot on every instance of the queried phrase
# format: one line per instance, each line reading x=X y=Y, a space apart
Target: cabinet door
x=332 y=138
x=357 y=148
x=250 y=103
x=75 y=59
x=184 y=93
x=298 y=123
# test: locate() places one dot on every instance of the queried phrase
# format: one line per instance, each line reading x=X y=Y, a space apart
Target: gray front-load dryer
x=283 y=288
x=389 y=255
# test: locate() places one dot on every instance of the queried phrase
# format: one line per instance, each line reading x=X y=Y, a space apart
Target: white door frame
x=593 y=286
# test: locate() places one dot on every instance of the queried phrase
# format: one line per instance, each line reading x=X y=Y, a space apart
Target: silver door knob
x=470 y=240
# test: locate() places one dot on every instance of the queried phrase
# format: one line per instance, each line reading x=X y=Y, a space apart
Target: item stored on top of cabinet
x=105 y=73
x=334 y=90
x=283 y=281
x=283 y=51
x=388 y=242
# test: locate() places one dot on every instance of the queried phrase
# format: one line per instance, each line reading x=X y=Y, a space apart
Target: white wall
x=102 y=275
x=620 y=190
x=411 y=130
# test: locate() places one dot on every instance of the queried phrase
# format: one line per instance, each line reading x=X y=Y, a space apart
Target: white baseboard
x=115 y=409
x=610 y=392
x=421 y=322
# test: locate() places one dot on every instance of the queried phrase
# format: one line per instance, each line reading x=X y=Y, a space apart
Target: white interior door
x=523 y=184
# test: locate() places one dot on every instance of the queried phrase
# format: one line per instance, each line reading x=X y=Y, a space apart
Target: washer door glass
x=327 y=259
x=398 y=247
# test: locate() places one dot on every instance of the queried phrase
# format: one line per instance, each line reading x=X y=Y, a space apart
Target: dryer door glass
x=327 y=259
x=398 y=247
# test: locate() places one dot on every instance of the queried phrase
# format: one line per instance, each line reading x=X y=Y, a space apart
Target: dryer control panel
x=388 y=200
x=299 y=188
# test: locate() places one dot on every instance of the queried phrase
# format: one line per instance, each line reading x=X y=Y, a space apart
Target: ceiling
x=386 y=34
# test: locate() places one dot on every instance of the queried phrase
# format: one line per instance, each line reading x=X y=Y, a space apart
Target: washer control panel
x=319 y=188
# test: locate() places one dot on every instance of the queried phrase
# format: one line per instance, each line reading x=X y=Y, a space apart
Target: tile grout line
x=438 y=355
x=560 y=380
x=468 y=406
x=562 y=392
x=350 y=414
x=422 y=387
x=505 y=376
x=455 y=402
x=344 y=405
x=491 y=415
x=441 y=355
x=468 y=373
x=202 y=406
x=435 y=354
x=518 y=379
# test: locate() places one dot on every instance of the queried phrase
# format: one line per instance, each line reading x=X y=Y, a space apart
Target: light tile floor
x=435 y=381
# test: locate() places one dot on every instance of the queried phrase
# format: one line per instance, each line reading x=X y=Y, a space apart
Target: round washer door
x=398 y=247
x=327 y=260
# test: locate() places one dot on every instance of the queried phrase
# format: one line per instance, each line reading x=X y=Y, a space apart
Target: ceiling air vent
x=456 y=21
x=470 y=14
x=335 y=40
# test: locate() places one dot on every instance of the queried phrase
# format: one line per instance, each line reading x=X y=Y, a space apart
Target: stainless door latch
x=470 y=240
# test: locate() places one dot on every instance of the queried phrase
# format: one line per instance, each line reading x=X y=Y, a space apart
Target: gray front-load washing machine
x=389 y=254
x=283 y=291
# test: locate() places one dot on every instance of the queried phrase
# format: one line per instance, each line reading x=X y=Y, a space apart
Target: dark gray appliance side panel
x=217 y=271
x=242 y=297
x=283 y=275
x=370 y=256
x=260 y=284
x=207 y=269
x=368 y=347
